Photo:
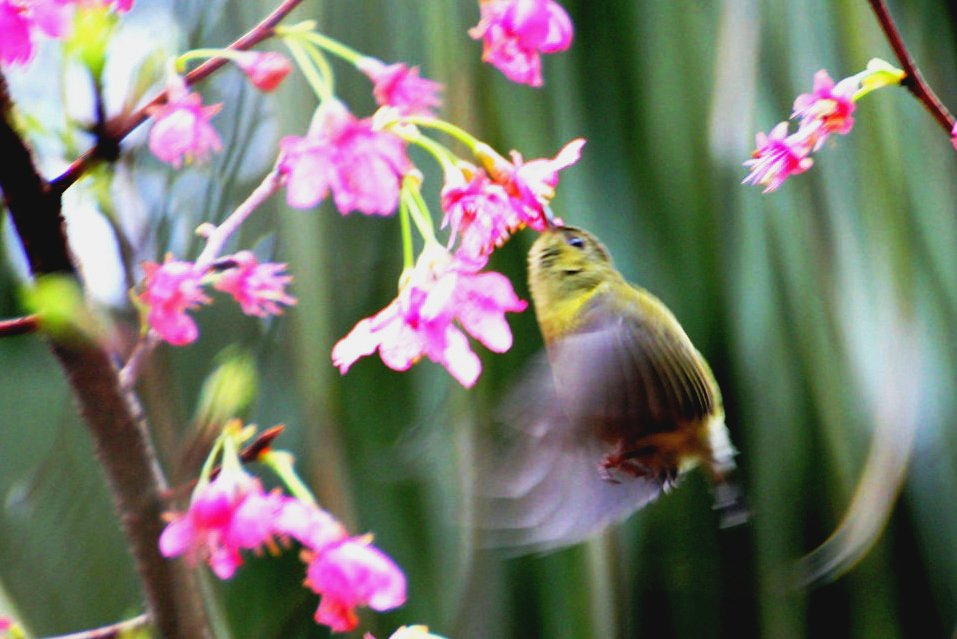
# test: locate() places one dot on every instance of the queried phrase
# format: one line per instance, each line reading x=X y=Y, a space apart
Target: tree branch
x=18 y=326
x=113 y=418
x=117 y=128
x=913 y=80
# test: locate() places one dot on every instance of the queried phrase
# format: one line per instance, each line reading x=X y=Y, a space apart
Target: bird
x=621 y=405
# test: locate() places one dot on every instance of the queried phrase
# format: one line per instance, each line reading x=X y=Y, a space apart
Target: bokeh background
x=828 y=311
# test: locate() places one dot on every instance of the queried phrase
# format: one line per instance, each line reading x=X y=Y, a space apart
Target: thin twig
x=117 y=128
x=913 y=80
x=108 y=632
x=19 y=326
x=217 y=237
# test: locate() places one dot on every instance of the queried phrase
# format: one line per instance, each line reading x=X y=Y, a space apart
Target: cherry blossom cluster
x=174 y=287
x=230 y=513
x=827 y=109
x=515 y=32
x=362 y=164
x=21 y=21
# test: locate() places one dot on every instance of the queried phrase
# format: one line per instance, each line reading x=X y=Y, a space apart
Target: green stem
x=321 y=86
x=281 y=463
x=412 y=199
x=209 y=464
x=227 y=54
x=333 y=46
x=321 y=63
x=458 y=133
x=408 y=259
x=442 y=155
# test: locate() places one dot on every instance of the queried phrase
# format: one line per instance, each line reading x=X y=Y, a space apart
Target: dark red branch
x=112 y=416
x=18 y=326
x=913 y=80
x=117 y=128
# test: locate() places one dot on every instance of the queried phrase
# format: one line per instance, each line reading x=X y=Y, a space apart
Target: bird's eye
x=577 y=242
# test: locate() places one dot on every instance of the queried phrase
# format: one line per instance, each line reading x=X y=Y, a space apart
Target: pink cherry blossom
x=779 y=156
x=5 y=623
x=266 y=69
x=309 y=163
x=480 y=301
x=515 y=32
x=531 y=185
x=169 y=290
x=259 y=288
x=362 y=166
x=953 y=136
x=16 y=43
x=308 y=524
x=534 y=181
x=21 y=19
x=478 y=210
x=353 y=573
x=399 y=86
x=828 y=108
x=419 y=322
x=228 y=514
x=181 y=129
x=405 y=331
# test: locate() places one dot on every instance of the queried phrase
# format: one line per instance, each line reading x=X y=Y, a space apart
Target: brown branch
x=110 y=410
x=914 y=82
x=117 y=128
x=113 y=417
x=18 y=326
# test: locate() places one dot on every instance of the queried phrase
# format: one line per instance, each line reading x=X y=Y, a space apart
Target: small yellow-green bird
x=625 y=405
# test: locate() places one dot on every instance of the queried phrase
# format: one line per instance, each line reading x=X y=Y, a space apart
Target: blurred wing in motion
x=621 y=411
x=539 y=485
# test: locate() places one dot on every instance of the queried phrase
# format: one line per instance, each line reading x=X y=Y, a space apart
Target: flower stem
x=411 y=199
x=442 y=155
x=408 y=258
x=319 y=80
x=217 y=238
x=226 y=54
x=281 y=463
x=333 y=46
x=458 y=133
x=913 y=80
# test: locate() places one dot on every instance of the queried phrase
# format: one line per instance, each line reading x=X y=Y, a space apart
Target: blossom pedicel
x=826 y=109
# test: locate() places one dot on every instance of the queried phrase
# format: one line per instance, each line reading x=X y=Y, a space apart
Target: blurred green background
x=828 y=311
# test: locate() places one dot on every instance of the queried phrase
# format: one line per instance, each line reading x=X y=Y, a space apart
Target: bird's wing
x=622 y=370
x=539 y=487
x=620 y=376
